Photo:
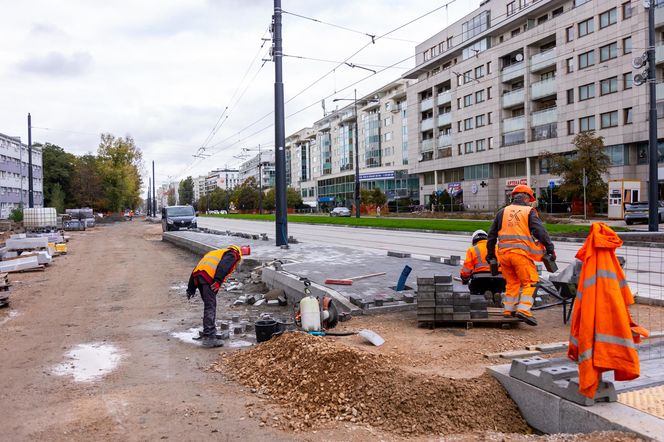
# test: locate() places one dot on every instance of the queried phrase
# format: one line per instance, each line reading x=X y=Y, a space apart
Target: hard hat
x=237 y=249
x=522 y=188
x=479 y=235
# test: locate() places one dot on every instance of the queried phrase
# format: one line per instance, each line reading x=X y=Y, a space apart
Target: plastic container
x=36 y=218
x=310 y=314
x=265 y=328
x=245 y=250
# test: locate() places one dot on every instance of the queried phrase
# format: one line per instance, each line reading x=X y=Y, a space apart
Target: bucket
x=245 y=250
x=265 y=328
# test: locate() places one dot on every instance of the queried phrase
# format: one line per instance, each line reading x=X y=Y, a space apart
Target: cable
x=301 y=57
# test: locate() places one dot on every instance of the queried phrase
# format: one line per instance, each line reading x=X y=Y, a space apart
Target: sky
x=166 y=72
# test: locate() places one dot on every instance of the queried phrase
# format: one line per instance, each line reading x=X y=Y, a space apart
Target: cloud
x=57 y=65
x=47 y=29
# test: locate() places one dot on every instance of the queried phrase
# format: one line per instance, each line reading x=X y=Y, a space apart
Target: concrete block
x=444 y=287
x=427 y=296
x=398 y=254
x=461 y=316
x=455 y=260
x=379 y=302
x=479 y=314
x=437 y=259
x=26 y=243
x=443 y=279
x=424 y=281
x=461 y=309
x=517 y=354
x=426 y=289
x=16 y=265
x=408 y=298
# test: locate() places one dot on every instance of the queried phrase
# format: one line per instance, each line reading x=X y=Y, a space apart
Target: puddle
x=11 y=315
x=187 y=336
x=179 y=286
x=238 y=343
x=89 y=362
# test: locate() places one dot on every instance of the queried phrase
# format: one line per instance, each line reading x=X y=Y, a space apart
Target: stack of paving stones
x=438 y=301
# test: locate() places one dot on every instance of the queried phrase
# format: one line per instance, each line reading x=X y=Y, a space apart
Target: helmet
x=237 y=249
x=479 y=235
x=522 y=188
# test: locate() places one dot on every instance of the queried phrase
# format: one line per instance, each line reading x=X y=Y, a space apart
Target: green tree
x=589 y=154
x=269 y=201
x=170 y=197
x=245 y=195
x=58 y=167
x=378 y=198
x=86 y=186
x=365 y=196
x=119 y=163
x=186 y=190
x=293 y=198
x=219 y=199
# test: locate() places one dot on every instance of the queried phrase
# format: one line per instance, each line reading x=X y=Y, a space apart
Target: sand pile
x=318 y=380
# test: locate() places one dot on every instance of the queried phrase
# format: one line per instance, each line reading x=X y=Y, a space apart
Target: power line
x=301 y=57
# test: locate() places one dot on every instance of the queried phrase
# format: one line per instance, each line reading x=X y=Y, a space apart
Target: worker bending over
x=476 y=261
x=522 y=239
x=208 y=275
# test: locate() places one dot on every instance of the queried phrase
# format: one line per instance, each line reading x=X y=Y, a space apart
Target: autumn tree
x=86 y=186
x=186 y=190
x=120 y=161
x=378 y=198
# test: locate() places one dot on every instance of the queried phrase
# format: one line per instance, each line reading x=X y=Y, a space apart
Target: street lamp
x=357 y=149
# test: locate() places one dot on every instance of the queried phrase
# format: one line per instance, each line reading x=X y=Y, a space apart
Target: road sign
x=585 y=181
x=552 y=184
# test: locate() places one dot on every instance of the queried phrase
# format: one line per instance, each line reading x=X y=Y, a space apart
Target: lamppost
x=357 y=149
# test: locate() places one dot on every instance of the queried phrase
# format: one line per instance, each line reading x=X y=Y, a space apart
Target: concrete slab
x=26 y=243
x=19 y=264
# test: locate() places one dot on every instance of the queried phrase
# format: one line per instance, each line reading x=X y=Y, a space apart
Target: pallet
x=495 y=318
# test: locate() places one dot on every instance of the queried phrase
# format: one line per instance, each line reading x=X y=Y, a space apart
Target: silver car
x=638 y=212
x=340 y=211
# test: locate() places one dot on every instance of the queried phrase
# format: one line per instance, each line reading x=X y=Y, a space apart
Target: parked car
x=340 y=211
x=638 y=212
x=178 y=217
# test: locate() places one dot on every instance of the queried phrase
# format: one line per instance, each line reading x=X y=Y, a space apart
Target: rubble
x=318 y=380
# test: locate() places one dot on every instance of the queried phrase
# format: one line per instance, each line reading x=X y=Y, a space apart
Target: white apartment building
x=14 y=175
x=261 y=167
x=199 y=187
x=321 y=160
x=516 y=78
x=225 y=178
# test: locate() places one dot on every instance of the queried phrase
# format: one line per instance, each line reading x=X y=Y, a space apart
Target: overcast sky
x=163 y=71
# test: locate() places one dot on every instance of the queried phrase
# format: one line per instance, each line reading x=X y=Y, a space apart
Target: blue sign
x=552 y=184
x=326 y=199
x=377 y=176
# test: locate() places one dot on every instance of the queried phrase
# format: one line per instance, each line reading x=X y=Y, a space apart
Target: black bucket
x=265 y=329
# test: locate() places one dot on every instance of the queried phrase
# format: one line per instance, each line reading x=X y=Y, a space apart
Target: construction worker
x=522 y=240
x=208 y=275
x=475 y=257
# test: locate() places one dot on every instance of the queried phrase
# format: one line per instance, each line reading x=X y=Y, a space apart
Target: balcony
x=514 y=124
x=544 y=88
x=445 y=119
x=444 y=98
x=445 y=152
x=659 y=17
x=544 y=132
x=427 y=145
x=512 y=72
x=546 y=116
x=426 y=104
x=444 y=141
x=514 y=98
x=512 y=138
x=543 y=60
x=659 y=53
x=426 y=124
x=660 y=92
x=348 y=115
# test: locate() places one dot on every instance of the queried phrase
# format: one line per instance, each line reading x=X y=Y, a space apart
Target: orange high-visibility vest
x=514 y=234
x=475 y=260
x=602 y=333
x=207 y=266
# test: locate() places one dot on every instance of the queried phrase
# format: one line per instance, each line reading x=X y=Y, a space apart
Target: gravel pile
x=317 y=380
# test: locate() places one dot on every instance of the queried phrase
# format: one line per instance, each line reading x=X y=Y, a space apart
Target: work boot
x=211 y=342
x=530 y=320
x=508 y=314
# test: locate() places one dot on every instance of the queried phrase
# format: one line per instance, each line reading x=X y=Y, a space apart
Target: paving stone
x=437 y=259
x=398 y=254
x=426 y=289
x=443 y=279
x=461 y=309
x=474 y=314
x=444 y=288
x=425 y=296
x=408 y=298
x=424 y=281
x=461 y=316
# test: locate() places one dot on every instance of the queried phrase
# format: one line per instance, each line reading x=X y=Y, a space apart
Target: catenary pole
x=281 y=217
x=31 y=200
x=653 y=194
x=154 y=194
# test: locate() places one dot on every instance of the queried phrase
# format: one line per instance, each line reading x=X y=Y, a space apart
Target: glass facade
x=305 y=175
x=371 y=121
x=346 y=146
x=403 y=105
x=325 y=142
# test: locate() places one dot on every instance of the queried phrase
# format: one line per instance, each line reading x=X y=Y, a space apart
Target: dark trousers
x=209 y=305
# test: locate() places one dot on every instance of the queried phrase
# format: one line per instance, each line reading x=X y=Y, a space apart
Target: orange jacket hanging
x=603 y=335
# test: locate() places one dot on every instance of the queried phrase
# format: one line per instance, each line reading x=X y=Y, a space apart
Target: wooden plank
x=370 y=275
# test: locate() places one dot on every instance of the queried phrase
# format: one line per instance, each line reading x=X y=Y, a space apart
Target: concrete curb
x=551 y=414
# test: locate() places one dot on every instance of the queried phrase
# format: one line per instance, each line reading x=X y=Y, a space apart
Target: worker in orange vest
x=603 y=336
x=475 y=257
x=522 y=240
x=208 y=275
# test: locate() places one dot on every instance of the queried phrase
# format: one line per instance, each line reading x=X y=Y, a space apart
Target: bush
x=16 y=215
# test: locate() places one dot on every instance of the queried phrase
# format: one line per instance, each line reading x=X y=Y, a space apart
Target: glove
x=465 y=281
x=190 y=294
x=553 y=255
x=215 y=287
x=491 y=257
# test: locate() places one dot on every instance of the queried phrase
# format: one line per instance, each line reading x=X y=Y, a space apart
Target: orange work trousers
x=520 y=278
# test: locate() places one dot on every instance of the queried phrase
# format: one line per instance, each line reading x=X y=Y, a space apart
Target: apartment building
x=261 y=167
x=321 y=160
x=14 y=175
x=199 y=187
x=516 y=78
x=225 y=178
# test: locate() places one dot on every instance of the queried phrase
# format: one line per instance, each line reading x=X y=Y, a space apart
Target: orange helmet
x=522 y=188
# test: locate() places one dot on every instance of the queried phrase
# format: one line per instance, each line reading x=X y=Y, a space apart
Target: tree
x=170 y=197
x=378 y=198
x=86 y=187
x=186 y=190
x=245 y=195
x=269 y=201
x=365 y=196
x=58 y=167
x=119 y=164
x=293 y=198
x=589 y=154
x=57 y=198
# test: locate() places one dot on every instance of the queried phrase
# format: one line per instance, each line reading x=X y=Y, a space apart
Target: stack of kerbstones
x=438 y=301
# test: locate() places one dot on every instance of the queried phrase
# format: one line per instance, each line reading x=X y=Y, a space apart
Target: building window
x=510 y=8
x=608 y=18
x=387 y=121
x=488 y=93
x=468 y=100
x=479 y=120
x=627 y=45
x=627 y=10
x=479 y=72
x=578 y=3
x=609 y=119
x=627 y=115
x=627 y=80
x=587 y=91
x=556 y=12
x=488 y=67
x=586 y=27
x=468 y=147
x=388 y=136
x=468 y=124
x=587 y=123
x=476 y=25
x=570 y=127
x=458 y=103
x=608 y=52
x=586 y=59
x=459 y=149
x=569 y=32
x=479 y=96
x=479 y=146
x=608 y=86
x=489 y=142
x=570 y=65
x=459 y=126
x=570 y=96
x=489 y=119
x=467 y=77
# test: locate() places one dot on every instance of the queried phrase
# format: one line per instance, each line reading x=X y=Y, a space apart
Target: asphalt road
x=645 y=266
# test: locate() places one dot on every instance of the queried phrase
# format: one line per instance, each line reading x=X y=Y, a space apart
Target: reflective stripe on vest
x=514 y=233
x=481 y=262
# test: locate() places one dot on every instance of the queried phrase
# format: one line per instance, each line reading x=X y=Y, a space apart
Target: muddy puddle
x=89 y=362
